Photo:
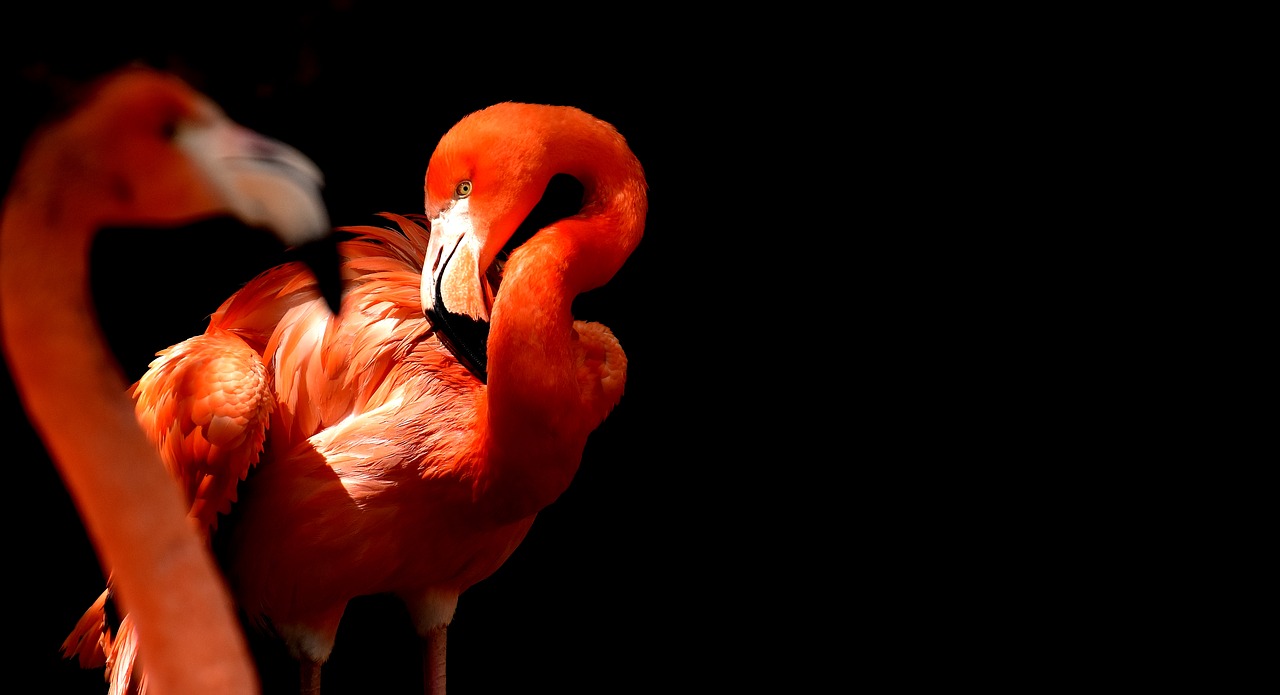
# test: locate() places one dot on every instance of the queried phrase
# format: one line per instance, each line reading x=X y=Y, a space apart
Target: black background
x=663 y=567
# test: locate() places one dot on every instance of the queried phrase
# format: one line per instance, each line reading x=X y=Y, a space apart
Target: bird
x=143 y=148
x=411 y=438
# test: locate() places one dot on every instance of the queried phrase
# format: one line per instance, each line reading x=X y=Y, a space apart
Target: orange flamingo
x=142 y=149
x=412 y=439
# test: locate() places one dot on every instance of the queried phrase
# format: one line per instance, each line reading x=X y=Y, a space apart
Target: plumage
x=141 y=149
x=401 y=458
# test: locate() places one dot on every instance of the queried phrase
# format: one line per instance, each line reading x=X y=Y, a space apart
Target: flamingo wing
x=326 y=369
x=205 y=403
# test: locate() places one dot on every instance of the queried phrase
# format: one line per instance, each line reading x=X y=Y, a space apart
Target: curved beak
x=271 y=185
x=321 y=256
x=455 y=295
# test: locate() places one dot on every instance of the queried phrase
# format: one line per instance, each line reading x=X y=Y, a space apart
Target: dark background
x=657 y=570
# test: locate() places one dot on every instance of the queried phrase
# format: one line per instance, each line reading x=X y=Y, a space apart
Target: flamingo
x=142 y=149
x=409 y=441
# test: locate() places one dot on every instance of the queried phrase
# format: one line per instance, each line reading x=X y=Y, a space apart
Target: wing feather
x=206 y=403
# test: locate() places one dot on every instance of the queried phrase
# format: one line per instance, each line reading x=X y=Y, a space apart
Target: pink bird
x=406 y=445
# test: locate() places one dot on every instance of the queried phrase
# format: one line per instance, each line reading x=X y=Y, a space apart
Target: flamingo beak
x=465 y=337
x=271 y=185
x=266 y=183
x=321 y=257
x=458 y=295
x=455 y=295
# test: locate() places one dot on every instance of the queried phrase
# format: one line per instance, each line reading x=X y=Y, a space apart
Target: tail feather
x=100 y=640
x=124 y=674
x=90 y=641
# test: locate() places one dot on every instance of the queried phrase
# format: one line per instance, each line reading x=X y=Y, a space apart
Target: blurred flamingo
x=142 y=149
x=407 y=444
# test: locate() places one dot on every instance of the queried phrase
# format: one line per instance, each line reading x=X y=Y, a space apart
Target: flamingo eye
x=463 y=190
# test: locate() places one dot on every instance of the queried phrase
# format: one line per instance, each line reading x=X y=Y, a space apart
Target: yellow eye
x=463 y=190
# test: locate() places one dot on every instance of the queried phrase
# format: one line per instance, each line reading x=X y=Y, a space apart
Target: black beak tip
x=321 y=256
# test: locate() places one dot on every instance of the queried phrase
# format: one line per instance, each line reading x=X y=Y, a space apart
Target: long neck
x=552 y=381
x=534 y=411
x=74 y=392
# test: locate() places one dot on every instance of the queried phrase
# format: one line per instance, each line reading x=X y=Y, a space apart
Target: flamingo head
x=167 y=156
x=490 y=185
x=496 y=180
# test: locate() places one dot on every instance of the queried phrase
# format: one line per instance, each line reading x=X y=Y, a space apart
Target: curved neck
x=532 y=404
x=548 y=386
x=74 y=393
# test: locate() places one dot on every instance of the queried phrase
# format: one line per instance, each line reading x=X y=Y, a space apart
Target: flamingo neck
x=69 y=380
x=74 y=392
x=537 y=421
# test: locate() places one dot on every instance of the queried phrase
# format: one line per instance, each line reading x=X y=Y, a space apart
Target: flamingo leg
x=309 y=677
x=433 y=651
